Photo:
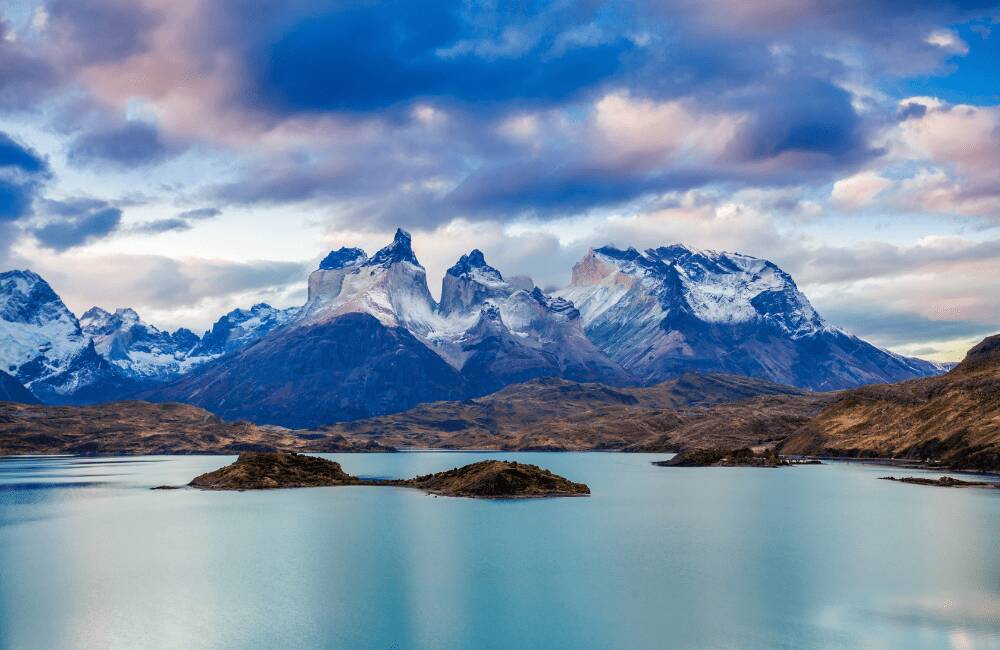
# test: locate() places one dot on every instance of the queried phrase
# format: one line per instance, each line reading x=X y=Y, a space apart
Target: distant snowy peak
x=25 y=297
x=137 y=348
x=391 y=286
x=39 y=336
x=241 y=327
x=28 y=299
x=99 y=322
x=713 y=287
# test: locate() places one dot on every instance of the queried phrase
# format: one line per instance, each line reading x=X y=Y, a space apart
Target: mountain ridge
x=628 y=318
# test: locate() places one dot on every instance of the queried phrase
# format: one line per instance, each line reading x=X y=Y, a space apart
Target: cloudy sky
x=186 y=157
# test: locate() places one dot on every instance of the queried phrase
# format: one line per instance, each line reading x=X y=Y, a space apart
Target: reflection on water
x=823 y=556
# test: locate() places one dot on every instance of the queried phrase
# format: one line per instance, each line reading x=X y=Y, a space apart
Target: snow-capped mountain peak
x=710 y=286
x=343 y=258
x=471 y=282
x=474 y=266
x=39 y=336
x=241 y=327
x=26 y=298
x=400 y=250
x=676 y=308
x=138 y=349
x=96 y=321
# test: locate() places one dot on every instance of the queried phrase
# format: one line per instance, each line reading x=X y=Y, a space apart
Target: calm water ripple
x=806 y=557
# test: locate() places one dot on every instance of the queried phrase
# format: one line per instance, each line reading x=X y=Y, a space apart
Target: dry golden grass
x=953 y=419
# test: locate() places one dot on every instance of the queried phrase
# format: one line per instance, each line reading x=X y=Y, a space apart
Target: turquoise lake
x=804 y=557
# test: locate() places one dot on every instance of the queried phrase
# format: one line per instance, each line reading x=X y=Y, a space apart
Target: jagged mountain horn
x=391 y=286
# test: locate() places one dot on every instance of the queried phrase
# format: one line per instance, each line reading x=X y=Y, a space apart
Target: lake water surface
x=805 y=557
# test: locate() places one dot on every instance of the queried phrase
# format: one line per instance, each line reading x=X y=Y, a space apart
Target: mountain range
x=371 y=339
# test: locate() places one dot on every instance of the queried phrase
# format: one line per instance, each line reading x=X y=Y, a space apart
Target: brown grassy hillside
x=953 y=419
x=143 y=428
x=554 y=414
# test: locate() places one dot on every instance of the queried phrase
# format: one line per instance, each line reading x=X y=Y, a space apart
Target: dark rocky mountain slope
x=346 y=368
x=11 y=390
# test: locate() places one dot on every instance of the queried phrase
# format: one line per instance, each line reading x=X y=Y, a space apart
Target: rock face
x=11 y=390
x=498 y=479
x=673 y=309
x=953 y=419
x=371 y=340
x=345 y=368
x=265 y=470
x=391 y=286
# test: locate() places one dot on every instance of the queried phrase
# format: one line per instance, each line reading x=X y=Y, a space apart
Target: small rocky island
x=719 y=457
x=944 y=481
x=497 y=479
x=270 y=470
x=490 y=479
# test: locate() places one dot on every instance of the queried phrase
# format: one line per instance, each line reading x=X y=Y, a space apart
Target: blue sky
x=188 y=157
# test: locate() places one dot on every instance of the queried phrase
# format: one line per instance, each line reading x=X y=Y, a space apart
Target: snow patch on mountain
x=672 y=309
x=137 y=348
x=391 y=286
x=241 y=327
x=39 y=336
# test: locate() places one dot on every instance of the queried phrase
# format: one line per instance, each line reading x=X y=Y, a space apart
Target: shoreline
x=880 y=462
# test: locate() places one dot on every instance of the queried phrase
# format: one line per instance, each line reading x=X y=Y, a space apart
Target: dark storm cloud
x=76 y=222
x=782 y=66
x=22 y=173
x=127 y=144
x=804 y=115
